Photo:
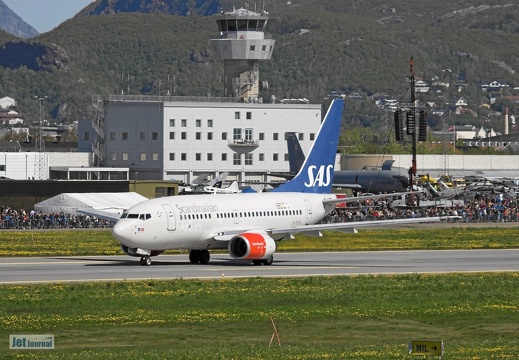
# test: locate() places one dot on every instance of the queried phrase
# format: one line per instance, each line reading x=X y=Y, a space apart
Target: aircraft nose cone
x=122 y=231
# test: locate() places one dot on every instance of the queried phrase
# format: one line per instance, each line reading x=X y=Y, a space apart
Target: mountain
x=354 y=46
x=11 y=23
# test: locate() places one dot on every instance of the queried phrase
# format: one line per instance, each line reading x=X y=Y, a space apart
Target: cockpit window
x=148 y=216
x=124 y=215
x=133 y=216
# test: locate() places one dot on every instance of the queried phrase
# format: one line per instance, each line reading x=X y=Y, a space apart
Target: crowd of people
x=484 y=208
x=11 y=218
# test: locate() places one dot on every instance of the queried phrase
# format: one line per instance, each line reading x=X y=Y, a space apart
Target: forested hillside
x=321 y=45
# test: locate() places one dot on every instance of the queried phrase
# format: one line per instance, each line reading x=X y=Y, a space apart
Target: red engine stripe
x=257 y=244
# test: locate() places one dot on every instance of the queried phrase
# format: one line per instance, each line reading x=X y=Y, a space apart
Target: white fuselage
x=193 y=222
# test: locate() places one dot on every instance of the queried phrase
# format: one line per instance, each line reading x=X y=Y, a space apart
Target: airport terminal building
x=178 y=138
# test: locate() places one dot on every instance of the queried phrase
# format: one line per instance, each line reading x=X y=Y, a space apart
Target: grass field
x=362 y=317
x=101 y=242
x=359 y=317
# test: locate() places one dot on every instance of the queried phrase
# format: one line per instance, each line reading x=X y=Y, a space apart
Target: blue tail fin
x=315 y=176
x=296 y=157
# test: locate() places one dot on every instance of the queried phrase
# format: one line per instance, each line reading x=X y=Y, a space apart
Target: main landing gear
x=199 y=256
x=267 y=261
x=145 y=261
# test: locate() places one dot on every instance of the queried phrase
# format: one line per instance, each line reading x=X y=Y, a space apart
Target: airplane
x=248 y=225
x=233 y=188
x=211 y=187
x=384 y=180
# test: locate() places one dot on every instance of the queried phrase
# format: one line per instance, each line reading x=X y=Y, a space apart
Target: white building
x=7 y=102
x=34 y=165
x=179 y=139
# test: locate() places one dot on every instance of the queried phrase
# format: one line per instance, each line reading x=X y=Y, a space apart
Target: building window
x=275 y=136
x=198 y=156
x=237 y=115
x=301 y=136
x=125 y=156
x=143 y=156
x=224 y=157
x=198 y=122
x=171 y=156
x=142 y=135
x=261 y=157
x=209 y=157
x=252 y=48
x=183 y=156
x=154 y=136
x=248 y=159
x=86 y=136
x=248 y=134
x=236 y=159
x=210 y=123
x=171 y=122
x=275 y=157
x=112 y=136
x=286 y=157
x=155 y=156
x=171 y=135
x=264 y=48
x=113 y=156
x=125 y=136
x=236 y=134
x=183 y=122
x=183 y=135
x=209 y=136
x=262 y=136
x=248 y=115
x=198 y=135
x=312 y=136
x=224 y=136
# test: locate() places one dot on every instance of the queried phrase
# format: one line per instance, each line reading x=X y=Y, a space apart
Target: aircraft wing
x=357 y=198
x=349 y=186
x=315 y=229
x=350 y=227
x=103 y=214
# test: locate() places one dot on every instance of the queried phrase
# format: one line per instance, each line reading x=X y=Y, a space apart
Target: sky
x=45 y=15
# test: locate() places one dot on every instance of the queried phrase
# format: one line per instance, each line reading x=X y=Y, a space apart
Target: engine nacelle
x=252 y=246
x=139 y=252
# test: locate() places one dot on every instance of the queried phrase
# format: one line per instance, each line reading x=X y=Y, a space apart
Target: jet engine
x=252 y=246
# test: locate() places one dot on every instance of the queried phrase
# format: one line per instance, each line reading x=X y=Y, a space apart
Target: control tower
x=242 y=43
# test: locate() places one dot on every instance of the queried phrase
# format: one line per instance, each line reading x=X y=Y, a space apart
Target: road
x=117 y=268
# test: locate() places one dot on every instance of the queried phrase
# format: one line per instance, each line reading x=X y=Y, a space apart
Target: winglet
x=315 y=176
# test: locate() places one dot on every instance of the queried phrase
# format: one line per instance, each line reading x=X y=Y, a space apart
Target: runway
x=118 y=268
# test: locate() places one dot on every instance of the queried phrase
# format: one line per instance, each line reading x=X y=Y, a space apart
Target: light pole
x=39 y=145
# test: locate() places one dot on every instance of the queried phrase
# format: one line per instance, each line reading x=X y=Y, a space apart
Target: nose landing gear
x=145 y=261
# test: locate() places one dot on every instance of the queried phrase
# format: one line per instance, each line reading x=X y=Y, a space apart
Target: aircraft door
x=170 y=217
x=308 y=211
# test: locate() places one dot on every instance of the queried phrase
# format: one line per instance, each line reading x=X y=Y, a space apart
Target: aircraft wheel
x=194 y=256
x=145 y=261
x=257 y=262
x=268 y=261
x=204 y=257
